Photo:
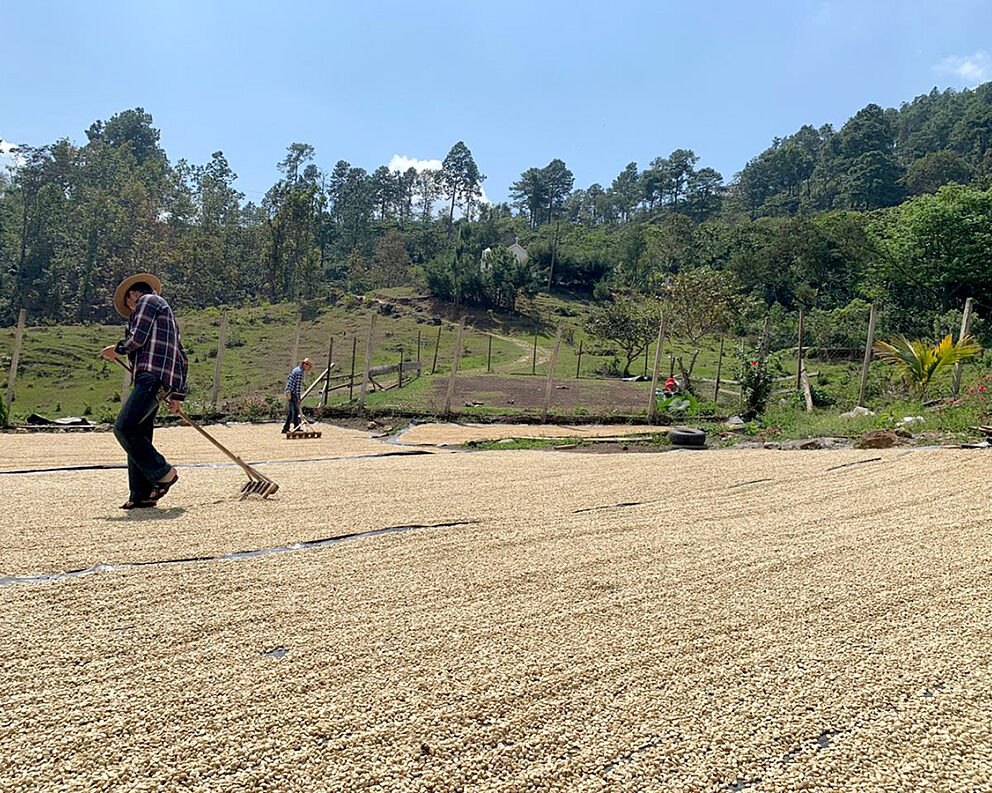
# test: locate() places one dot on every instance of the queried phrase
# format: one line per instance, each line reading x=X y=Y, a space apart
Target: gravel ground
x=761 y=621
x=454 y=434
x=183 y=446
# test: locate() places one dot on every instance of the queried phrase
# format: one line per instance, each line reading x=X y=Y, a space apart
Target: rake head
x=300 y=434
x=259 y=487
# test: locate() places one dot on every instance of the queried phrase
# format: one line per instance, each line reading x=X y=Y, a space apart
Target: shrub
x=610 y=368
x=821 y=397
x=756 y=386
x=252 y=408
x=678 y=405
x=918 y=362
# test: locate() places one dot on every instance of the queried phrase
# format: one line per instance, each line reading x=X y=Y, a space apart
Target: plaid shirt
x=152 y=344
x=294 y=383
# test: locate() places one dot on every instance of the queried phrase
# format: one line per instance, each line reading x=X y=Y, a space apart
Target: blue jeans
x=133 y=428
x=292 y=414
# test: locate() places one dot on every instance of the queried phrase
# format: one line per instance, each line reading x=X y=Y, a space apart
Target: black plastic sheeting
x=231 y=557
x=411 y=453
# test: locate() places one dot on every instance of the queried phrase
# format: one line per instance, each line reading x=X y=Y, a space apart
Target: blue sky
x=597 y=84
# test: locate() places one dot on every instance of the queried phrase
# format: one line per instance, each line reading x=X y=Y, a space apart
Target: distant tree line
x=895 y=206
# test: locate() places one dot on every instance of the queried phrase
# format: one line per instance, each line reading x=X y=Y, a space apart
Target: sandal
x=161 y=488
x=143 y=504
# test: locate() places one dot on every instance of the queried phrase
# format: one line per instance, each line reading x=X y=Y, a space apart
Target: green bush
x=756 y=386
x=687 y=405
x=253 y=408
x=840 y=327
x=611 y=368
x=678 y=405
x=821 y=397
x=3 y=413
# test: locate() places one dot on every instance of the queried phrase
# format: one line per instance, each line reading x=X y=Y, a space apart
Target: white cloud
x=9 y=158
x=402 y=163
x=969 y=69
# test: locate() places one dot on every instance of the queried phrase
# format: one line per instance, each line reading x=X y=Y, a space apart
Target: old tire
x=686 y=436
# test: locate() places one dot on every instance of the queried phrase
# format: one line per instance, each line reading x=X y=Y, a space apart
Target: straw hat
x=121 y=291
x=306 y=360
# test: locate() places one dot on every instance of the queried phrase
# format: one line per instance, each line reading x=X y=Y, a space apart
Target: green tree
x=933 y=251
x=626 y=191
x=390 y=262
x=530 y=194
x=505 y=277
x=935 y=169
x=704 y=301
x=359 y=275
x=461 y=179
x=628 y=320
x=558 y=182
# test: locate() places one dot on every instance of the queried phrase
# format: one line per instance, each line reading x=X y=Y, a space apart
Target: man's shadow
x=154 y=513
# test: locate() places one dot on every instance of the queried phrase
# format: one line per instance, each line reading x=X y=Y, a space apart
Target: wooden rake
x=257 y=484
x=303 y=430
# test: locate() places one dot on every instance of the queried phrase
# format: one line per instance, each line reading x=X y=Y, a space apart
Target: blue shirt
x=152 y=344
x=294 y=384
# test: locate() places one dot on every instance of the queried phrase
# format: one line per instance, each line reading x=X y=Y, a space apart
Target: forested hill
x=876 y=159
x=819 y=219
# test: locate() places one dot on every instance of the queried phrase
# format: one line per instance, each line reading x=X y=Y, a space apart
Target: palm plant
x=918 y=362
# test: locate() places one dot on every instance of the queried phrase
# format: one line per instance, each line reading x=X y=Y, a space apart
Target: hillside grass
x=61 y=373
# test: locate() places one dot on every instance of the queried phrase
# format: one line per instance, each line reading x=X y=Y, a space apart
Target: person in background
x=158 y=364
x=294 y=392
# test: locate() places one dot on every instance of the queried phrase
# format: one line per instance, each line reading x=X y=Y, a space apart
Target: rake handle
x=252 y=473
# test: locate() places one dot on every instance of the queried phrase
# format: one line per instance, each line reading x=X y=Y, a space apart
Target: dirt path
x=543 y=355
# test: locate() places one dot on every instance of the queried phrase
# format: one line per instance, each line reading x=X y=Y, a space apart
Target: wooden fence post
x=368 y=364
x=400 y=382
x=489 y=358
x=221 y=343
x=15 y=357
x=296 y=338
x=799 y=352
x=454 y=368
x=578 y=364
x=719 y=368
x=807 y=392
x=868 y=344
x=965 y=326
x=657 y=369
x=418 y=347
x=551 y=375
x=327 y=378
x=351 y=381
x=765 y=340
x=437 y=344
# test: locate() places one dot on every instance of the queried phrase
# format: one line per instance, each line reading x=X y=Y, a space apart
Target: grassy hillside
x=61 y=372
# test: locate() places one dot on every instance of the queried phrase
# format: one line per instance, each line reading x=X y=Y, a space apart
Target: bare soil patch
x=523 y=392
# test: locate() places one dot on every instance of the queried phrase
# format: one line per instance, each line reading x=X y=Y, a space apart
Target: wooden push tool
x=302 y=430
x=258 y=483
